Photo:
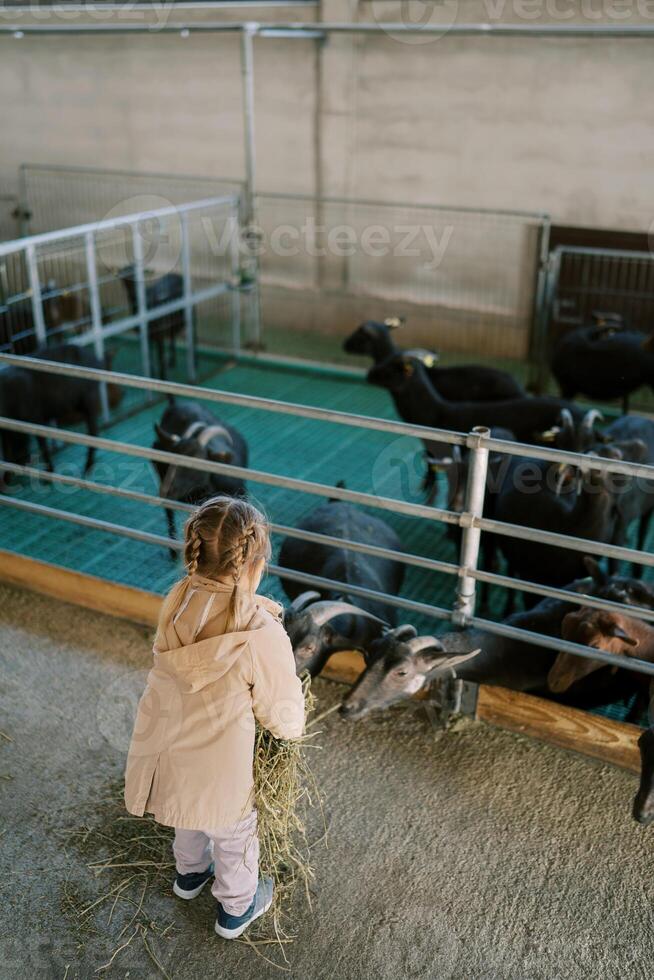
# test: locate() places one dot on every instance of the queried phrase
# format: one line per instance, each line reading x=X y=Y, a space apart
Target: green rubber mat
x=282 y=444
x=323 y=452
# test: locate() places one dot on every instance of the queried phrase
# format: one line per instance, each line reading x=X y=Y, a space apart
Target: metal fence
x=583 y=280
x=473 y=524
x=96 y=282
x=466 y=280
x=54 y=197
x=9 y=217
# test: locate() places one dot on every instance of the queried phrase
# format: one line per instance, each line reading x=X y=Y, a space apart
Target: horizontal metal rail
x=550 y=592
x=151 y=313
x=612 y=253
x=561 y=646
x=225 y=469
x=448 y=568
x=109 y=224
x=308 y=30
x=500 y=629
x=581 y=461
x=231 y=398
x=404 y=205
x=137 y=496
x=96 y=524
x=139 y=6
x=584 y=545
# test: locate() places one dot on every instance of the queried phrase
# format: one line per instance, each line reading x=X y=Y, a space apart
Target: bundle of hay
x=284 y=791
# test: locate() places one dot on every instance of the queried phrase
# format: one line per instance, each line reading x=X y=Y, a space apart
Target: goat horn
x=590 y=418
x=419 y=643
x=302 y=601
x=165 y=436
x=403 y=632
x=330 y=608
x=567 y=421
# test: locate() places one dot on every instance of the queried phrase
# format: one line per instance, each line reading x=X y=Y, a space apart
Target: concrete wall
x=556 y=125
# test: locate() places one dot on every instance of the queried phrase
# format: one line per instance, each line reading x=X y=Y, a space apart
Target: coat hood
x=193 y=660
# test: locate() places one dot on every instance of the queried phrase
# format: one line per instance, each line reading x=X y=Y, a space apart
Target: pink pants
x=235 y=853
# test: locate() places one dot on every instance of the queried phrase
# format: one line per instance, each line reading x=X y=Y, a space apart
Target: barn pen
x=123 y=545
x=339 y=437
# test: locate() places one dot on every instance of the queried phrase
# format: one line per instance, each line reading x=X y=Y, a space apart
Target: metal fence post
x=250 y=274
x=188 y=301
x=538 y=340
x=96 y=315
x=474 y=507
x=35 y=292
x=235 y=275
x=141 y=304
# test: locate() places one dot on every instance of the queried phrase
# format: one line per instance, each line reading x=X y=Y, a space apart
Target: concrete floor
x=466 y=855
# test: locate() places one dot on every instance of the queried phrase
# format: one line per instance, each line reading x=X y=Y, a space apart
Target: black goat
x=343 y=520
x=603 y=362
x=470 y=382
x=39 y=397
x=158 y=292
x=319 y=627
x=397 y=667
x=190 y=429
x=542 y=495
x=464 y=382
x=417 y=400
x=634 y=496
x=61 y=309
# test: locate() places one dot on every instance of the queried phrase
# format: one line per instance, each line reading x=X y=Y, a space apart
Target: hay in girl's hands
x=284 y=789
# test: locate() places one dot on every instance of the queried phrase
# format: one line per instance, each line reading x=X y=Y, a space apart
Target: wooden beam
x=568 y=728
x=89 y=591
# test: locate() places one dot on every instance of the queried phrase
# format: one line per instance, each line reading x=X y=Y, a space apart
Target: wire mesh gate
x=584 y=280
x=157 y=271
x=467 y=280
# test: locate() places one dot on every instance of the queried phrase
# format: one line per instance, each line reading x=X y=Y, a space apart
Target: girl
x=221 y=659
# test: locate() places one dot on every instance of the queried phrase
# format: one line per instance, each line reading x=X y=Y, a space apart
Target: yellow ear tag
x=429 y=360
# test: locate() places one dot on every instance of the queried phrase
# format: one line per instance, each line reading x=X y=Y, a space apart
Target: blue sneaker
x=231 y=926
x=189 y=886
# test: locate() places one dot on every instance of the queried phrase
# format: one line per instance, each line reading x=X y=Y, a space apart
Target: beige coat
x=191 y=754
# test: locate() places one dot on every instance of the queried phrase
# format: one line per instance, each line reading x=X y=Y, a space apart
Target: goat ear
x=225 y=456
x=458 y=658
x=619 y=633
x=594 y=570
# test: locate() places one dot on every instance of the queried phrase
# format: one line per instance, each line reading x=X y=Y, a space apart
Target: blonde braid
x=237 y=555
x=193 y=548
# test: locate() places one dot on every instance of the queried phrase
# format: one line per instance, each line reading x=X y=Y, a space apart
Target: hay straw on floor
x=135 y=853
